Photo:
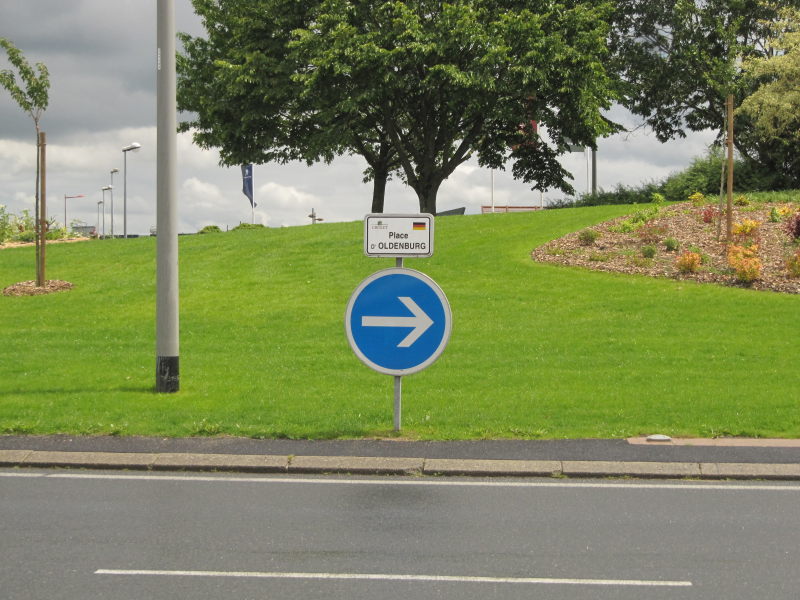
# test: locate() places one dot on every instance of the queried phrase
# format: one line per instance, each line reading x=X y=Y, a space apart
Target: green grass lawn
x=537 y=351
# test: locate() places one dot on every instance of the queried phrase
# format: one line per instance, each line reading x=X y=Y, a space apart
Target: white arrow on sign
x=420 y=322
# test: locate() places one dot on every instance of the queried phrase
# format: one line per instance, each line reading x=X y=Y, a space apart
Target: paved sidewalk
x=700 y=459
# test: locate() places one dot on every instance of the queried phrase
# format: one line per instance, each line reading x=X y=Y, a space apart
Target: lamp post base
x=167 y=374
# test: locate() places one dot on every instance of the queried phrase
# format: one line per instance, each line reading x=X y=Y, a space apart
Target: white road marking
x=397 y=577
x=332 y=480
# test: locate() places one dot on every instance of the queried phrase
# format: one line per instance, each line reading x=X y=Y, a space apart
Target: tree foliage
x=416 y=87
x=238 y=84
x=773 y=108
x=447 y=81
x=679 y=59
x=33 y=99
x=775 y=105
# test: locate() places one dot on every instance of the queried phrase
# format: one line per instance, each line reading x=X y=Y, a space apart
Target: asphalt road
x=85 y=535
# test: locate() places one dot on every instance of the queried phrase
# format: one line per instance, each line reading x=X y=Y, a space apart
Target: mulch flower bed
x=624 y=252
x=29 y=288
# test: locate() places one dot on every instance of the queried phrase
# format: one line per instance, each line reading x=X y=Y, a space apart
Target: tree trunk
x=379 y=189
x=426 y=193
x=36 y=221
x=721 y=207
x=729 y=215
x=43 y=211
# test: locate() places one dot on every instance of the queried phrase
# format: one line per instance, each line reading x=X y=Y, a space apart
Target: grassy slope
x=536 y=351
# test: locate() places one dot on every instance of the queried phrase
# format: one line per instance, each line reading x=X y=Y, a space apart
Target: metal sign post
x=398 y=379
x=398 y=321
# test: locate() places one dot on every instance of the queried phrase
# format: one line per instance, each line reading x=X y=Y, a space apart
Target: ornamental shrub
x=748 y=270
x=697 y=199
x=649 y=251
x=626 y=226
x=793 y=227
x=689 y=262
x=745 y=262
x=671 y=244
x=746 y=227
x=793 y=264
x=646 y=213
x=708 y=213
x=746 y=231
x=651 y=234
x=587 y=237
x=739 y=252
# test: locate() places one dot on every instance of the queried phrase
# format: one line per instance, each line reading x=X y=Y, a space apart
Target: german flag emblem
x=420 y=226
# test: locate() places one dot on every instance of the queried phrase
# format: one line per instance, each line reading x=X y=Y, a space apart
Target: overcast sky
x=101 y=58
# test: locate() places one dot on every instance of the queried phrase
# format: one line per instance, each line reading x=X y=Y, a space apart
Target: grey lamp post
x=103 y=202
x=110 y=189
x=167 y=330
x=130 y=147
x=111 y=185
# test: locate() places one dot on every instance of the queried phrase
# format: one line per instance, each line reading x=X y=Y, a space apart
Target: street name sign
x=398 y=236
x=398 y=321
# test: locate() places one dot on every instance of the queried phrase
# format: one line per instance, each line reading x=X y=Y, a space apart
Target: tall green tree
x=32 y=97
x=679 y=59
x=416 y=87
x=448 y=81
x=774 y=107
x=237 y=85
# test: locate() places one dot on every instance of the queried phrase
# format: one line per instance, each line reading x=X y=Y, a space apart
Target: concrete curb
x=493 y=468
x=371 y=465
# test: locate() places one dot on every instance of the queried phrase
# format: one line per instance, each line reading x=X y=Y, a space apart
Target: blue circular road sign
x=398 y=321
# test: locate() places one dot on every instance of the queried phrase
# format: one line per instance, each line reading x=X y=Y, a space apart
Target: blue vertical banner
x=247 y=183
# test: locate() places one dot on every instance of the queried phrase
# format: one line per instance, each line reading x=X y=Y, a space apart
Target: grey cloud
x=101 y=59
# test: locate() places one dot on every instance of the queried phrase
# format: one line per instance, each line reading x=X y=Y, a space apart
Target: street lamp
x=111 y=190
x=135 y=147
x=99 y=202
x=111 y=185
x=66 y=225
